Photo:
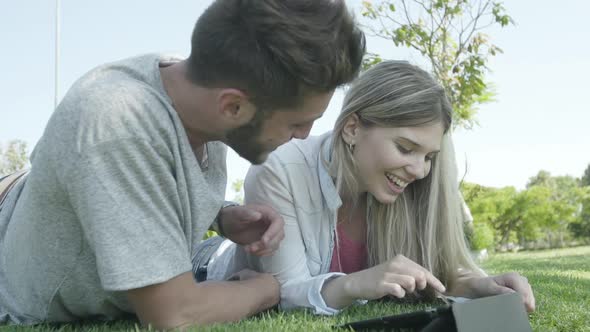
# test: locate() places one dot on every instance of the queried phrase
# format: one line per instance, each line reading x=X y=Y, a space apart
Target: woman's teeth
x=398 y=182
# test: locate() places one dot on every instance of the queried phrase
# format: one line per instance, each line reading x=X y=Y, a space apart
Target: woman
x=372 y=208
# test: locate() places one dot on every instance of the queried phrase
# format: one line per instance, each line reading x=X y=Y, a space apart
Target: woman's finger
x=393 y=289
x=408 y=283
x=403 y=265
x=423 y=277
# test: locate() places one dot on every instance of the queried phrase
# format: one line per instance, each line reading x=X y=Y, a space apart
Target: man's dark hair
x=276 y=51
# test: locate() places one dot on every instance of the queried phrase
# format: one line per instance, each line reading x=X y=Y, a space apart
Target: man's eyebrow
x=415 y=144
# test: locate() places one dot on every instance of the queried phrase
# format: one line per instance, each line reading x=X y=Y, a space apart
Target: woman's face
x=389 y=159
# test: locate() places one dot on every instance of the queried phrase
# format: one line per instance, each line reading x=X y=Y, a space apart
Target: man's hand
x=505 y=283
x=181 y=302
x=270 y=291
x=259 y=228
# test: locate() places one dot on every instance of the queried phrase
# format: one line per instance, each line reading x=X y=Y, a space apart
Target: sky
x=539 y=121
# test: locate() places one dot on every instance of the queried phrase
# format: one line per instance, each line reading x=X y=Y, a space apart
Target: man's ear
x=351 y=130
x=235 y=107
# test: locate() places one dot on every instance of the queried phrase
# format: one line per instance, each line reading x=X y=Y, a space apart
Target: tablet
x=413 y=321
x=503 y=312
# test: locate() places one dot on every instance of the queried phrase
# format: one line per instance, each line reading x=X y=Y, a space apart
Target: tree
x=581 y=227
x=585 y=180
x=14 y=157
x=565 y=204
x=488 y=207
x=449 y=33
x=543 y=178
x=549 y=208
x=238 y=187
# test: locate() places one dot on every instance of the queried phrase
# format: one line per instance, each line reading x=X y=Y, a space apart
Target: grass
x=560 y=278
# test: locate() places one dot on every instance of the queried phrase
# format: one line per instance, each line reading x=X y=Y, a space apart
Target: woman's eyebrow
x=409 y=141
x=415 y=144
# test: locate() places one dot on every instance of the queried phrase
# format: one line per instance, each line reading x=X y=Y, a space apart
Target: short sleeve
x=125 y=196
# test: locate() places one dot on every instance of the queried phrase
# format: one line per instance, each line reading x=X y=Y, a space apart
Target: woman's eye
x=403 y=150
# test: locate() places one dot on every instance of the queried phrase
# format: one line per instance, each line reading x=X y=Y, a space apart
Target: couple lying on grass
x=371 y=209
x=130 y=174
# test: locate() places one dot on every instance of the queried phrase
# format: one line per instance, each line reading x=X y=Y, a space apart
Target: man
x=130 y=172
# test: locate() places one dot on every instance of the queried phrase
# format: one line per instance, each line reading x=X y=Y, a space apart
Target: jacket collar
x=331 y=196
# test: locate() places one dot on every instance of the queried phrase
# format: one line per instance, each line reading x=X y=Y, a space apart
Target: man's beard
x=244 y=140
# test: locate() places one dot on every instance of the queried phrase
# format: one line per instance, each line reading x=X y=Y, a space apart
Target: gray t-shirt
x=115 y=200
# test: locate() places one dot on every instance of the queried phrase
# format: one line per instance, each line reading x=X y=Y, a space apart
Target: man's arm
x=182 y=302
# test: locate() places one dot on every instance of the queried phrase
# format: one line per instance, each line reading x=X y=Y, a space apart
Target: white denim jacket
x=295 y=182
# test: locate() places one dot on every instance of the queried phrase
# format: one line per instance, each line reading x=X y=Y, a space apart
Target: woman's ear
x=351 y=130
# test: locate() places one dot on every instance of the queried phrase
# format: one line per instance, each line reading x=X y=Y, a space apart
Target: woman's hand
x=398 y=277
x=502 y=284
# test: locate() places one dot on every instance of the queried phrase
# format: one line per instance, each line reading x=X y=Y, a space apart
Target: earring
x=351 y=147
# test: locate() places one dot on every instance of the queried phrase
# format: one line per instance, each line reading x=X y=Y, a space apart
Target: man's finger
x=261 y=252
x=275 y=231
x=245 y=214
x=264 y=252
x=273 y=240
x=255 y=247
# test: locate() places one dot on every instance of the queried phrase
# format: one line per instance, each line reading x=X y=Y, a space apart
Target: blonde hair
x=425 y=222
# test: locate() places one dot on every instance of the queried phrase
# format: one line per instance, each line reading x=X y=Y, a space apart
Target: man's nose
x=301 y=132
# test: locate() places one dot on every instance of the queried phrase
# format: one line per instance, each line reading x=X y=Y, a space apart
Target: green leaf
x=461 y=69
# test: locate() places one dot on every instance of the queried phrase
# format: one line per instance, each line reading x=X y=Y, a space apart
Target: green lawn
x=560 y=278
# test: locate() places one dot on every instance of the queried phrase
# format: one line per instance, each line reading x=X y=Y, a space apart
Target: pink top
x=352 y=254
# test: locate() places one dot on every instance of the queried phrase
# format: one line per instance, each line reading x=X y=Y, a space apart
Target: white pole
x=57 y=33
